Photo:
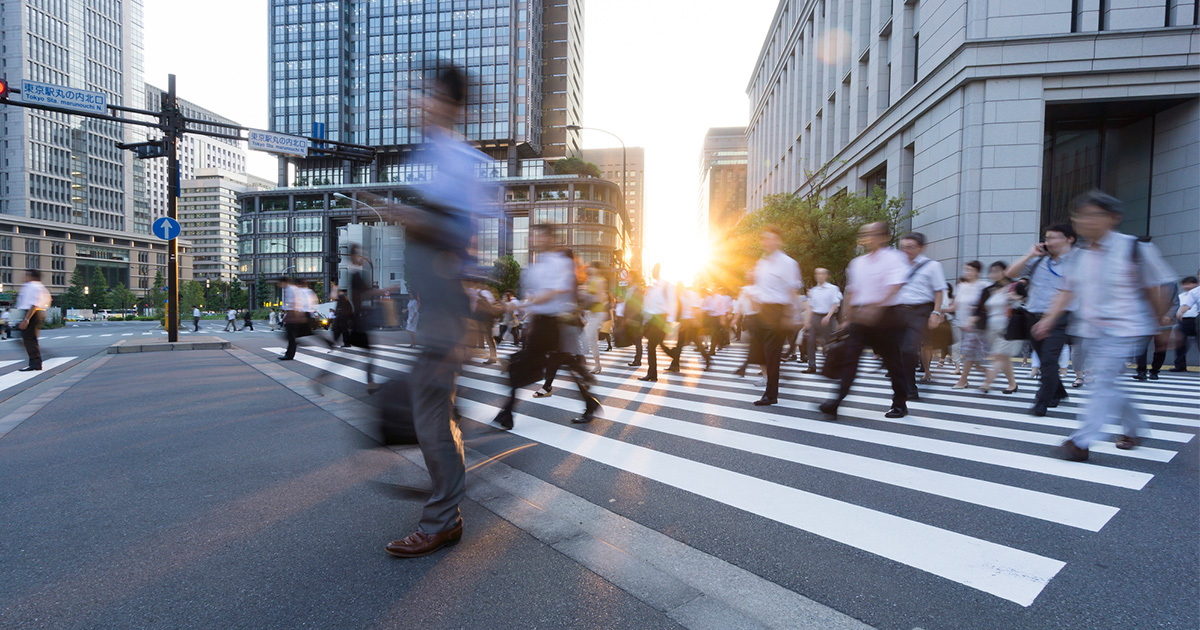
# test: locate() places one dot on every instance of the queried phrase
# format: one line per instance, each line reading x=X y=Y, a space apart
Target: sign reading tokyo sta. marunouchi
x=278 y=143
x=64 y=97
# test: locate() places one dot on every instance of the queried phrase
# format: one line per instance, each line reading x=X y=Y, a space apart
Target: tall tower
x=67 y=169
x=354 y=71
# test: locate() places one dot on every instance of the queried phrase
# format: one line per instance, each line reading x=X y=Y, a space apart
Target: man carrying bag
x=1044 y=267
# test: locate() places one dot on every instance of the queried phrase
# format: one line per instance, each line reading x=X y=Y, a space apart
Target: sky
x=657 y=73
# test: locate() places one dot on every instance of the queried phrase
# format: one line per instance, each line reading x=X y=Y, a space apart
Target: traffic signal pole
x=173 y=125
x=173 y=129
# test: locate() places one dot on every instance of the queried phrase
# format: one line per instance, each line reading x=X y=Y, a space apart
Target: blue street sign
x=165 y=228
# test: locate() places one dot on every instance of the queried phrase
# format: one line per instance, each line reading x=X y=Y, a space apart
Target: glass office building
x=354 y=71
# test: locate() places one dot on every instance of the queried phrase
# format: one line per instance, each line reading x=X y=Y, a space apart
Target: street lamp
x=353 y=200
x=624 y=210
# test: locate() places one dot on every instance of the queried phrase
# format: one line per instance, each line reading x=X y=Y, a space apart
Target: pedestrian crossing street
x=981 y=452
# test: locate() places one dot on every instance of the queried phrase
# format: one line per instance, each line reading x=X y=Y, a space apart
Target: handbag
x=626 y=334
x=1020 y=321
x=837 y=354
x=396 y=413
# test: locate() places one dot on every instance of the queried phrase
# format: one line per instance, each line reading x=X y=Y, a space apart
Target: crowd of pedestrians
x=1084 y=298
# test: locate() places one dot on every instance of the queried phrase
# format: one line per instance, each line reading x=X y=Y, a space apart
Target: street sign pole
x=174 y=126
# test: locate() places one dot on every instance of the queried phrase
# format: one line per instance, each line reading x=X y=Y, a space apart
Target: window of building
x=272 y=226
x=33 y=246
x=272 y=246
x=307 y=224
x=272 y=265
x=307 y=244
x=308 y=264
x=1106 y=146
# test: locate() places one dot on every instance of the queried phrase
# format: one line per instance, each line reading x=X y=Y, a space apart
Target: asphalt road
x=956 y=517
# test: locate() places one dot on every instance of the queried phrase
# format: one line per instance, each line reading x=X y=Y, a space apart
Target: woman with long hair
x=992 y=315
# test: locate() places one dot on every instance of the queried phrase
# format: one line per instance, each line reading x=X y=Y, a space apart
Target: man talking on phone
x=1045 y=268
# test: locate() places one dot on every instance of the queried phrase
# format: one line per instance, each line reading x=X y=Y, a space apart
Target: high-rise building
x=986 y=120
x=68 y=196
x=59 y=168
x=722 y=180
x=354 y=70
x=209 y=215
x=195 y=152
x=609 y=160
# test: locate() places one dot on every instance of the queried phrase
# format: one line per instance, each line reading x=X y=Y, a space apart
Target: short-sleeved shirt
x=1110 y=287
x=551 y=271
x=1191 y=299
x=925 y=278
x=1046 y=277
x=871 y=276
x=823 y=297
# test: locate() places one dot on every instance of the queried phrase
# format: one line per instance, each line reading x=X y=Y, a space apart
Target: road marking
x=107 y=335
x=987 y=455
x=16 y=378
x=1011 y=574
x=127 y=334
x=1041 y=505
x=82 y=336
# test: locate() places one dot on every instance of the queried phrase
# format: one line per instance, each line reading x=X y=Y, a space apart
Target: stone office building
x=988 y=116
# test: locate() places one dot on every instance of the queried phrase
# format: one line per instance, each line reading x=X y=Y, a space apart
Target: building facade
x=289 y=230
x=610 y=163
x=986 y=116
x=209 y=214
x=195 y=152
x=64 y=169
x=56 y=250
x=354 y=70
x=722 y=180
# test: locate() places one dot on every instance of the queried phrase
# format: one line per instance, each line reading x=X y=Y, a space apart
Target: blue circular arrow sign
x=165 y=228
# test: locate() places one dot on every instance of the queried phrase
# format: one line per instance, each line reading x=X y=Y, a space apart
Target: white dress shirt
x=1110 y=298
x=659 y=300
x=550 y=272
x=690 y=304
x=1191 y=300
x=776 y=279
x=870 y=277
x=195 y=312
x=926 y=281
x=966 y=298
x=823 y=297
x=33 y=295
x=745 y=305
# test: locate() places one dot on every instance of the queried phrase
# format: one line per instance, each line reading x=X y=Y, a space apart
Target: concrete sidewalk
x=130 y=501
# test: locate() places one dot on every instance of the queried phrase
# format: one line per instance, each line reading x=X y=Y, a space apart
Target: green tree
x=158 y=294
x=99 y=290
x=264 y=291
x=506 y=276
x=122 y=297
x=817 y=231
x=218 y=295
x=576 y=166
x=73 y=297
x=237 y=294
x=191 y=295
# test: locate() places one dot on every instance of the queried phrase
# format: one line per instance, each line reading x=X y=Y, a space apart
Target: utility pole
x=173 y=126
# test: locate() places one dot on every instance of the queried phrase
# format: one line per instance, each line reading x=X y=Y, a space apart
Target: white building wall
x=972 y=109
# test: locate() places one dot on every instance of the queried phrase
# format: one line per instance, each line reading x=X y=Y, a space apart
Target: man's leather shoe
x=584 y=419
x=419 y=543
x=829 y=408
x=286 y=359
x=30 y=369
x=810 y=371
x=1070 y=452
x=1140 y=376
x=1126 y=442
x=1177 y=370
x=1154 y=376
x=634 y=364
x=1038 y=409
x=764 y=401
x=896 y=412
x=649 y=379
x=672 y=369
x=504 y=419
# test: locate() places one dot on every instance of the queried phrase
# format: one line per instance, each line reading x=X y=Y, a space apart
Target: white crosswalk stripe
x=957 y=440
x=15 y=377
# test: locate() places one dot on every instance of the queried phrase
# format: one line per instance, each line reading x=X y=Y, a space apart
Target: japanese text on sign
x=278 y=143
x=64 y=97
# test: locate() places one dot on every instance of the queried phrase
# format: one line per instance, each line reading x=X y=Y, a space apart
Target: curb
x=126 y=346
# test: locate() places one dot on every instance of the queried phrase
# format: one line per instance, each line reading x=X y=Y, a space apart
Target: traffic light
x=3 y=89
x=144 y=150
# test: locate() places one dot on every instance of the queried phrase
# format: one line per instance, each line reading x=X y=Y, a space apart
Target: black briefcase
x=837 y=355
x=396 y=412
